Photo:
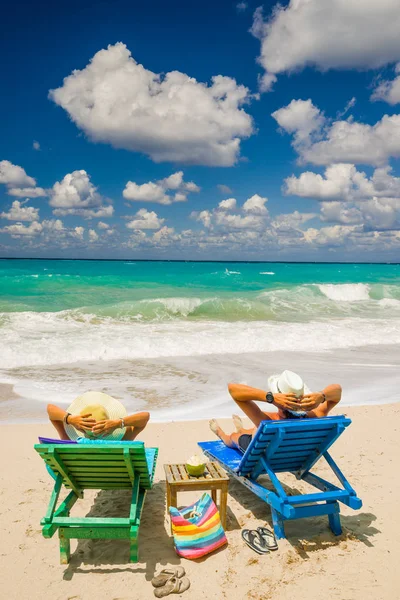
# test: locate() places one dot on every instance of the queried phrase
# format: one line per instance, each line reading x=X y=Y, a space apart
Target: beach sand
x=310 y=564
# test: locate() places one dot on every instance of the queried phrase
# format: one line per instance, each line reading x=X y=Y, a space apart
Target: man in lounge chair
x=97 y=416
x=288 y=393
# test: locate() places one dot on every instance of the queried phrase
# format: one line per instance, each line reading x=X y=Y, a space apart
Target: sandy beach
x=311 y=563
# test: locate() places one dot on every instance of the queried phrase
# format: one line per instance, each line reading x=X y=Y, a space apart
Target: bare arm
x=55 y=412
x=245 y=393
x=137 y=420
x=57 y=415
x=315 y=401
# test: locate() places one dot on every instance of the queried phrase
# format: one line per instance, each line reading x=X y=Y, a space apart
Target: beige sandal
x=166 y=574
x=175 y=585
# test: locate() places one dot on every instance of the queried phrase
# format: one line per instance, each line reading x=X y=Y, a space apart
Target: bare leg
x=252 y=411
x=237 y=421
x=230 y=440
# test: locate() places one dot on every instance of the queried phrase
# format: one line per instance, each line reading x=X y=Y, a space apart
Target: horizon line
x=180 y=260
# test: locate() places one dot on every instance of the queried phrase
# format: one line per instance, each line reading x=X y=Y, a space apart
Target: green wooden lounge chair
x=99 y=465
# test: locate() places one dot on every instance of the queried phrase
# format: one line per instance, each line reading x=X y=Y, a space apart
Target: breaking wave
x=68 y=337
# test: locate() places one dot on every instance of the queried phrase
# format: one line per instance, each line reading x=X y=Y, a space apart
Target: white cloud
x=203 y=217
x=256 y=205
x=74 y=191
x=389 y=91
x=340 y=212
x=158 y=191
x=349 y=197
x=31 y=192
x=351 y=103
x=164 y=235
x=76 y=195
x=229 y=204
x=300 y=118
x=77 y=233
x=252 y=215
x=343 y=182
x=241 y=7
x=294 y=220
x=14 y=176
x=36 y=145
x=230 y=221
x=93 y=236
x=145 y=220
x=321 y=142
x=334 y=236
x=19 y=212
x=102 y=225
x=224 y=189
x=53 y=225
x=179 y=197
x=328 y=34
x=18 y=229
x=169 y=117
x=87 y=213
x=147 y=192
x=381 y=213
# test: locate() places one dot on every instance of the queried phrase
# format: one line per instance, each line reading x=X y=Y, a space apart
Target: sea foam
x=58 y=338
x=345 y=292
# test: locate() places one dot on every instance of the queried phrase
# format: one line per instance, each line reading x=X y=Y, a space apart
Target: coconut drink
x=196 y=465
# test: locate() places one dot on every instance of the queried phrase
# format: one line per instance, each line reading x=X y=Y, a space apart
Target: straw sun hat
x=101 y=406
x=289 y=383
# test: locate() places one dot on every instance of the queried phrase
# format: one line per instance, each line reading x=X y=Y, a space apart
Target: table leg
x=214 y=495
x=223 y=504
x=173 y=501
x=168 y=496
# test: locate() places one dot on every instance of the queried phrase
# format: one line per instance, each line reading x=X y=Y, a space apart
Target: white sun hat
x=288 y=383
x=112 y=406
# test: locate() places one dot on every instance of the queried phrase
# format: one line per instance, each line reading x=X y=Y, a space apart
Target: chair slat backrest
x=291 y=445
x=102 y=466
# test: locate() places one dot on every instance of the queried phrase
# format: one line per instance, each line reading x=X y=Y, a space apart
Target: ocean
x=166 y=336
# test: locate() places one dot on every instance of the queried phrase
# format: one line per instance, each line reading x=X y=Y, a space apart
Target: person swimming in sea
x=96 y=415
x=288 y=393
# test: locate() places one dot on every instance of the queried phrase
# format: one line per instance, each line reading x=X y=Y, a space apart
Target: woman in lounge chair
x=288 y=393
x=96 y=415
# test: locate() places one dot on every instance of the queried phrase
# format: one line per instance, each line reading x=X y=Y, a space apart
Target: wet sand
x=183 y=388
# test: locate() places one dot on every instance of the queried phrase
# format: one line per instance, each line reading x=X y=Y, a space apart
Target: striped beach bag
x=197 y=529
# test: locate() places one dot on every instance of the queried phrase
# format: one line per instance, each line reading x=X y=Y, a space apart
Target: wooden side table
x=214 y=479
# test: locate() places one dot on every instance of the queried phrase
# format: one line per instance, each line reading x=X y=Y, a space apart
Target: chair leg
x=134 y=546
x=334 y=522
x=65 y=548
x=277 y=522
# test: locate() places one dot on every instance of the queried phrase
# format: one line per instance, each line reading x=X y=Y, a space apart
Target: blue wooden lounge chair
x=290 y=446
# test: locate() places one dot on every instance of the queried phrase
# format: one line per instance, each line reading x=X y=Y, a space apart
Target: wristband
x=122 y=422
x=66 y=418
x=324 y=397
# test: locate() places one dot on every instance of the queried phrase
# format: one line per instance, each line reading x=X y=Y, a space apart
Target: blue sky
x=301 y=124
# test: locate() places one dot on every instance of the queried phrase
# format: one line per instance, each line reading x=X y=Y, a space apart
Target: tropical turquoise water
x=104 y=314
x=198 y=290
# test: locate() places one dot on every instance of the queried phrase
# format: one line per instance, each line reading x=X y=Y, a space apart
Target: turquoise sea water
x=143 y=291
x=72 y=325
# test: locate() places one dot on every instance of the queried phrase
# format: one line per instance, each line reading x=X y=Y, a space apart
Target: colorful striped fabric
x=197 y=529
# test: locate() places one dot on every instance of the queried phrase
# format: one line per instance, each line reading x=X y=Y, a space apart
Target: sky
x=215 y=131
